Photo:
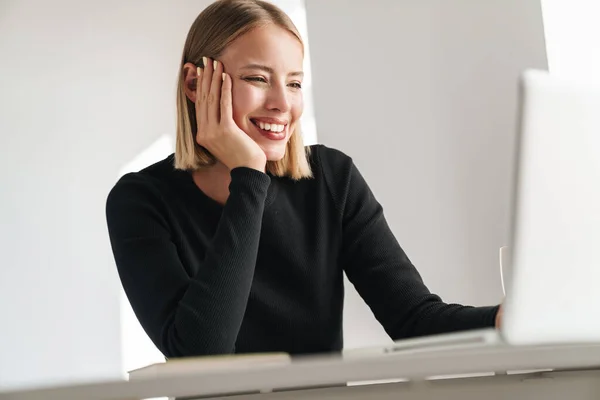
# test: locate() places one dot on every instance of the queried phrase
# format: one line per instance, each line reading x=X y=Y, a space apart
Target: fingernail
x=198 y=71
x=223 y=76
x=204 y=61
x=214 y=64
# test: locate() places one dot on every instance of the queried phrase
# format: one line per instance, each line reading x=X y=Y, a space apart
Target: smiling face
x=265 y=65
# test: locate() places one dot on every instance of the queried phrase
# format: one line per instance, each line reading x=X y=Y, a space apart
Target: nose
x=278 y=98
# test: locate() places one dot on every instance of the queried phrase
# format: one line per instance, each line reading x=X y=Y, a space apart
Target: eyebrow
x=270 y=70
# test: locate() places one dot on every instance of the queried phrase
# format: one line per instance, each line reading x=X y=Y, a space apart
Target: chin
x=275 y=154
x=274 y=151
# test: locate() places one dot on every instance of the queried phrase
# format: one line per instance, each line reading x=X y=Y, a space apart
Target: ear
x=189 y=81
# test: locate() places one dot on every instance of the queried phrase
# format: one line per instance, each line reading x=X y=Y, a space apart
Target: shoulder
x=336 y=169
x=136 y=206
x=330 y=160
x=146 y=185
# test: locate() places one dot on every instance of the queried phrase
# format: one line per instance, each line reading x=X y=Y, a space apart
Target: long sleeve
x=380 y=270
x=183 y=315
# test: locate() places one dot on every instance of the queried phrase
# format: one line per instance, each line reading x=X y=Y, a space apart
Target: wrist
x=258 y=163
x=261 y=167
x=498 y=319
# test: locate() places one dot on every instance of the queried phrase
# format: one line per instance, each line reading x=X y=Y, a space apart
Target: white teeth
x=270 y=127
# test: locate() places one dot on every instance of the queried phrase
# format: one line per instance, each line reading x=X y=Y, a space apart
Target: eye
x=255 y=79
x=296 y=85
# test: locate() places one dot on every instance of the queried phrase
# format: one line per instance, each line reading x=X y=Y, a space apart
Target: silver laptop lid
x=554 y=291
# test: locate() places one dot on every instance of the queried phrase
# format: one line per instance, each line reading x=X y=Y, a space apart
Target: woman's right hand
x=217 y=131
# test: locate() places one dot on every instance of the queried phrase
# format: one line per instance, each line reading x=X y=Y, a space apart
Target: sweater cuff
x=249 y=178
x=489 y=313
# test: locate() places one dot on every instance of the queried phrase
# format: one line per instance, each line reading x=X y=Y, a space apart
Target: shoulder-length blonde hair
x=213 y=30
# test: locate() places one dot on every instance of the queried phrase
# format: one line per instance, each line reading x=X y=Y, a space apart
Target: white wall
x=86 y=87
x=422 y=94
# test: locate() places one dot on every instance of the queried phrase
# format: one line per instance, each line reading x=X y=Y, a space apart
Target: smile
x=273 y=127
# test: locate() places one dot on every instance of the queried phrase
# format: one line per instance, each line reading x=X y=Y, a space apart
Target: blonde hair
x=213 y=30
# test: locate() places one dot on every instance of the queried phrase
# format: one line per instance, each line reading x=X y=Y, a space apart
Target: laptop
x=553 y=287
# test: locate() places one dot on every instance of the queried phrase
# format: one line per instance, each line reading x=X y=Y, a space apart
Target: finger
x=198 y=85
x=226 y=102
x=206 y=79
x=199 y=73
x=214 y=97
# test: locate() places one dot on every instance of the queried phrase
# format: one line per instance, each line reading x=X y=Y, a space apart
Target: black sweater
x=264 y=272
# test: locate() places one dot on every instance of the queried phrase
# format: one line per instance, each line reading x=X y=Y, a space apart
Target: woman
x=238 y=242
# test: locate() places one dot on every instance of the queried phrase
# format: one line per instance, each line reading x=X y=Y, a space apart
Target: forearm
x=434 y=317
x=212 y=309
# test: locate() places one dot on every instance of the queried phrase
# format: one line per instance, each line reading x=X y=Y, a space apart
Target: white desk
x=578 y=378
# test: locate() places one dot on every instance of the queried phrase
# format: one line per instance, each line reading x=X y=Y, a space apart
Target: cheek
x=245 y=99
x=297 y=107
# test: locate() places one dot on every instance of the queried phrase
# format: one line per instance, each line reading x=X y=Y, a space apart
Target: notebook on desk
x=552 y=295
